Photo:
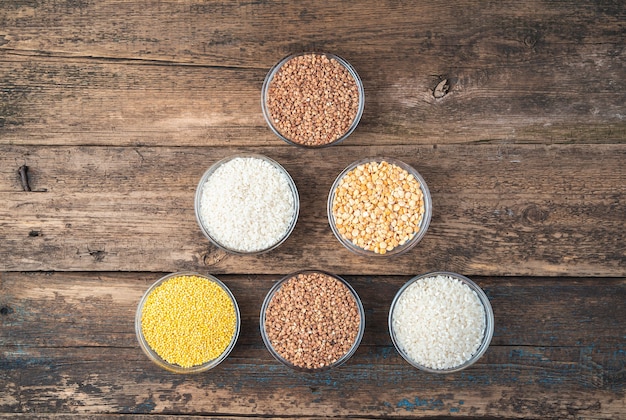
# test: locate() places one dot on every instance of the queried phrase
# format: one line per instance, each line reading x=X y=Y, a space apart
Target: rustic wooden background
x=117 y=108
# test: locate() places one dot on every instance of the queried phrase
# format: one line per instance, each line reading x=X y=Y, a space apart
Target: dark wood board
x=498 y=210
x=190 y=73
x=514 y=113
x=69 y=345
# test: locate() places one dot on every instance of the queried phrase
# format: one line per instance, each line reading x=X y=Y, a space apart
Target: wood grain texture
x=114 y=109
x=84 y=416
x=498 y=210
x=68 y=345
x=190 y=73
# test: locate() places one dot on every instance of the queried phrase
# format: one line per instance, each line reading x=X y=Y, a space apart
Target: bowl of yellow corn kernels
x=187 y=322
x=379 y=206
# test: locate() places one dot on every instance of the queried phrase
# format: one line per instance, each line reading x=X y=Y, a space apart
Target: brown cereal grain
x=312 y=100
x=313 y=320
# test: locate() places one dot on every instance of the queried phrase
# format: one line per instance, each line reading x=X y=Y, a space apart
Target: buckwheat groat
x=312 y=320
x=313 y=100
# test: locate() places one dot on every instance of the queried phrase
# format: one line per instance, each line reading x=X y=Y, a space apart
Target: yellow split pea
x=378 y=206
x=188 y=320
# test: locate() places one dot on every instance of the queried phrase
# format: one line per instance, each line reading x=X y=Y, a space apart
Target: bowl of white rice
x=441 y=322
x=247 y=204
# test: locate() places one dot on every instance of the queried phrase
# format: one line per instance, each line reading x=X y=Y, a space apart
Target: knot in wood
x=534 y=214
x=6 y=310
x=441 y=89
x=213 y=257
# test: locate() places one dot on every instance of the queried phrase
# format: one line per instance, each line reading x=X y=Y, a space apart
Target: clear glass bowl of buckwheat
x=312 y=321
x=312 y=99
x=379 y=206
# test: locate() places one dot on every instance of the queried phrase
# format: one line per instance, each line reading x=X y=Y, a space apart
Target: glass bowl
x=246 y=228
x=400 y=248
x=293 y=363
x=488 y=324
x=173 y=367
x=266 y=92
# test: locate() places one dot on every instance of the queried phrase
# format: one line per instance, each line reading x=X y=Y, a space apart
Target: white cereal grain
x=247 y=204
x=439 y=322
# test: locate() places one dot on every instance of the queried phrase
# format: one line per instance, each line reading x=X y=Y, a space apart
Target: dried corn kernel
x=388 y=208
x=188 y=320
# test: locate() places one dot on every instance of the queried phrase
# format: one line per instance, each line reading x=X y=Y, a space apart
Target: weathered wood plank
x=72 y=309
x=64 y=101
x=84 y=416
x=528 y=210
x=82 y=102
x=249 y=34
x=114 y=381
x=123 y=74
x=68 y=345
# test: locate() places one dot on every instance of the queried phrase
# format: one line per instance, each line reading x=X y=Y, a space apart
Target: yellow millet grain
x=188 y=320
x=378 y=206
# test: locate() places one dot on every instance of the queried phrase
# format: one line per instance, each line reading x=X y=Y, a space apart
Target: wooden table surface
x=117 y=108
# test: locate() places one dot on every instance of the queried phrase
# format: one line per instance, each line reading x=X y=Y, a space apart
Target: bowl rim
x=270 y=77
x=155 y=357
x=489 y=321
x=424 y=223
x=198 y=201
x=270 y=295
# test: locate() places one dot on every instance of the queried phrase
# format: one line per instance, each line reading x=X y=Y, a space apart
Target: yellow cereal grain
x=389 y=206
x=188 y=320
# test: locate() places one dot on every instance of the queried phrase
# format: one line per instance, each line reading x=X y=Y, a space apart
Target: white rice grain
x=439 y=322
x=247 y=204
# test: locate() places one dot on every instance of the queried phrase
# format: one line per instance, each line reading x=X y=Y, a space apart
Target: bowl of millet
x=312 y=321
x=246 y=204
x=379 y=207
x=312 y=99
x=187 y=322
x=441 y=322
